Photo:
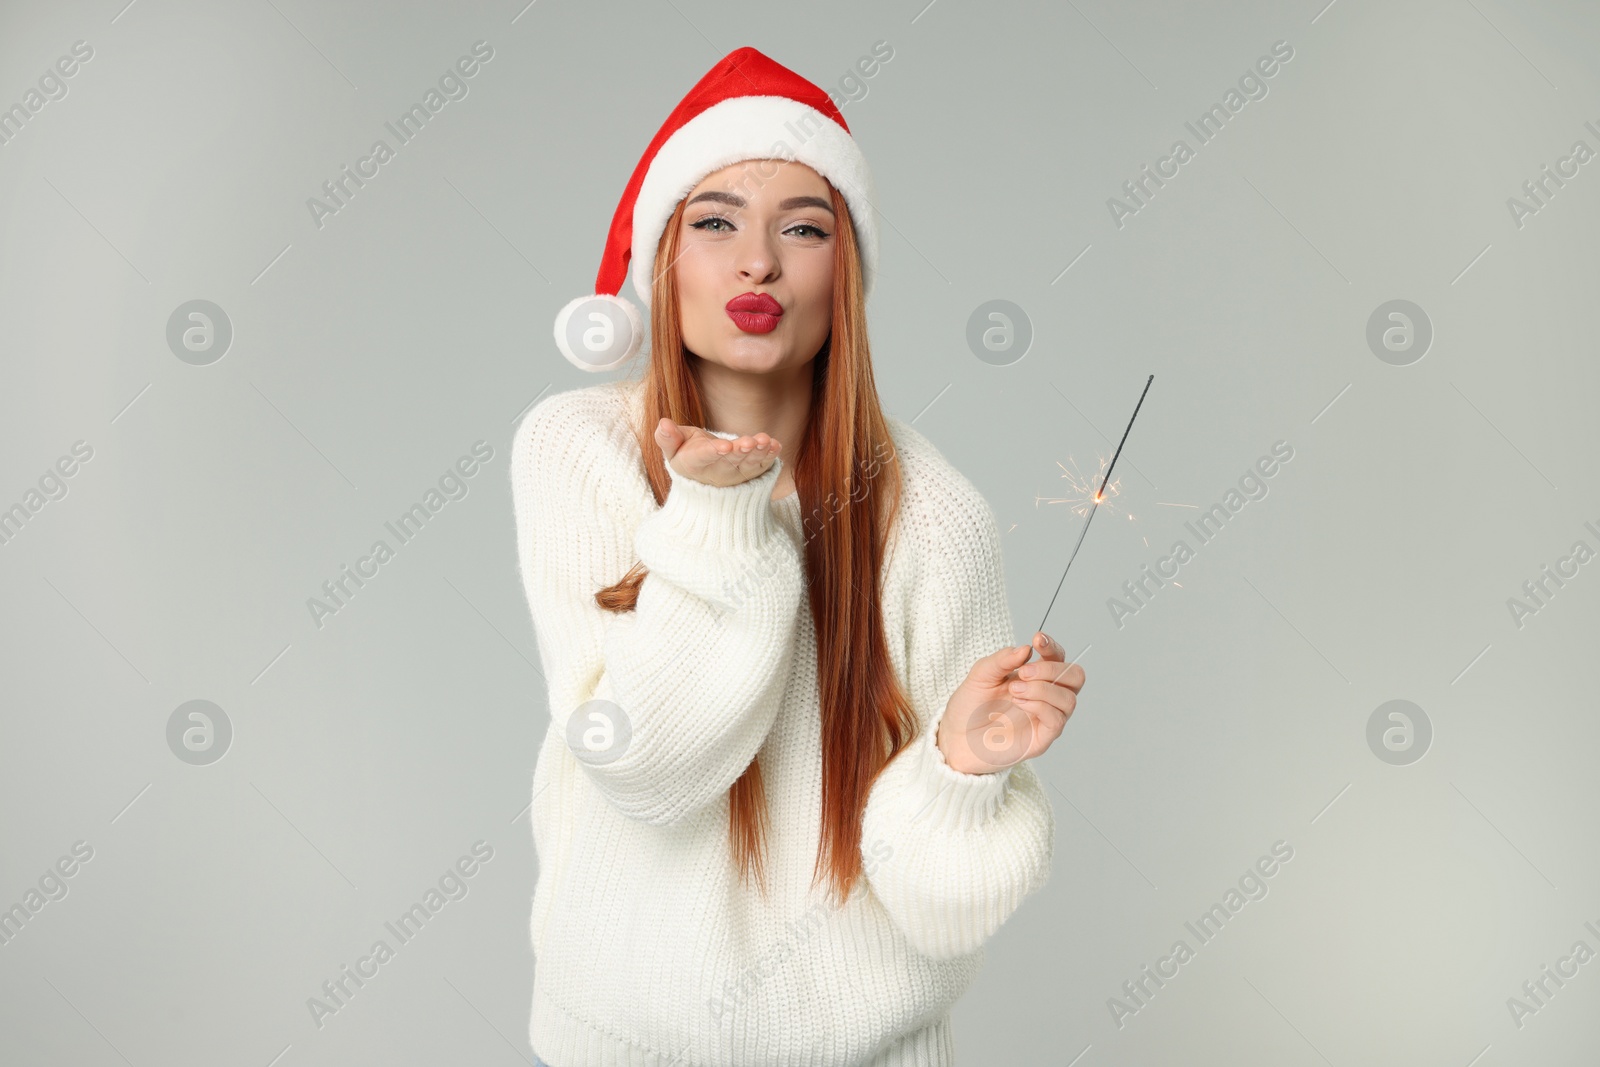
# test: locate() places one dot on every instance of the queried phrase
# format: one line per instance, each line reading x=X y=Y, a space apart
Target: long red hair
x=848 y=478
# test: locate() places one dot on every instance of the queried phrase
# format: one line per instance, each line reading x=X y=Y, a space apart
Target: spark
x=1082 y=492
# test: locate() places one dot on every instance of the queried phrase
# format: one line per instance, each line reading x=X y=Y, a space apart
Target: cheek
x=819 y=286
x=693 y=284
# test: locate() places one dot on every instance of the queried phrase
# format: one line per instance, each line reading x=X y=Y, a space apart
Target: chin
x=751 y=353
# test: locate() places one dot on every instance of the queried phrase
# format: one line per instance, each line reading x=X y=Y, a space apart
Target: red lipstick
x=755 y=312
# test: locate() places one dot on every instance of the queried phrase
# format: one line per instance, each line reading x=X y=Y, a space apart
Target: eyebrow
x=735 y=200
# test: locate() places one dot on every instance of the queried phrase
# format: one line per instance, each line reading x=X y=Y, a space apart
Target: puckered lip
x=761 y=303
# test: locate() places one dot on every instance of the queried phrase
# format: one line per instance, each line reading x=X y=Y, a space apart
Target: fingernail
x=1017 y=687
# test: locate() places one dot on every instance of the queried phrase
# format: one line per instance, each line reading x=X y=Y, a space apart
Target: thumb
x=992 y=669
x=667 y=437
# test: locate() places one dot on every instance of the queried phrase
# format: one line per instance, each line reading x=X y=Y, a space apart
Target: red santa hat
x=746 y=107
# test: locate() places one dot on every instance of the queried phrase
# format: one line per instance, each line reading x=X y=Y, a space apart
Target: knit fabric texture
x=648 y=949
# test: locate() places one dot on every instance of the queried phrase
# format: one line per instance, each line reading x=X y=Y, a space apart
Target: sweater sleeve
x=963 y=849
x=693 y=675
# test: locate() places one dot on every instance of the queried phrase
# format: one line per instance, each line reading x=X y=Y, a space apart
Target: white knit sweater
x=649 y=952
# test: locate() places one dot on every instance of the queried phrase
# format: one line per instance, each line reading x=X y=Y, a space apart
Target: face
x=763 y=227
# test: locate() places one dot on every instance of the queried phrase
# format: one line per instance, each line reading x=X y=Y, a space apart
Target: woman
x=782 y=802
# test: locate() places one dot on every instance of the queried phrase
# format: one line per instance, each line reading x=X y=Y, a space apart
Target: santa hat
x=746 y=107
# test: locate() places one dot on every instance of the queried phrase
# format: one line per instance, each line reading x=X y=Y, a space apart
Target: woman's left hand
x=1008 y=709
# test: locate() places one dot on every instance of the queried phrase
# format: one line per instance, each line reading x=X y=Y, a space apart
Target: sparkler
x=1098 y=496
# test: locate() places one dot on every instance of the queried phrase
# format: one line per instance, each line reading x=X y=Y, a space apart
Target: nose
x=756 y=258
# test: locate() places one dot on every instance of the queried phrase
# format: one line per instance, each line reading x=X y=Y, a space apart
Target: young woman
x=783 y=800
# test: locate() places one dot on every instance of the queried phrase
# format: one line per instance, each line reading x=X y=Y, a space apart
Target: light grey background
x=371 y=353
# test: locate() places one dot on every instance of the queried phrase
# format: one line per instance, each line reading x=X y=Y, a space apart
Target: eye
x=718 y=224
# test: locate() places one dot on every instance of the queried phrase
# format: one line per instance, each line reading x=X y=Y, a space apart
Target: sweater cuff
x=952 y=799
x=719 y=518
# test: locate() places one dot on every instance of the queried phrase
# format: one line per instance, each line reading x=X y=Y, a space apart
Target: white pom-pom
x=599 y=332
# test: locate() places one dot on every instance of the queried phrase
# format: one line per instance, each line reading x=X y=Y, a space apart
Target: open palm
x=704 y=457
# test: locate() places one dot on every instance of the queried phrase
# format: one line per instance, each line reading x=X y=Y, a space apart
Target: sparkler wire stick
x=1097 y=496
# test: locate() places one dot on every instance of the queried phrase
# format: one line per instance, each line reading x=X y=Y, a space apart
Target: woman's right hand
x=712 y=460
